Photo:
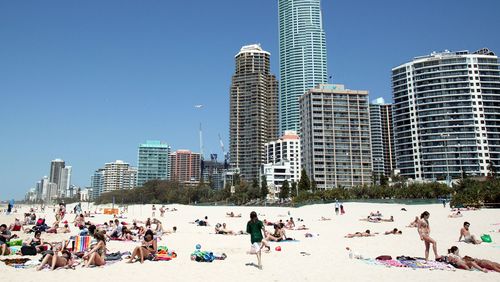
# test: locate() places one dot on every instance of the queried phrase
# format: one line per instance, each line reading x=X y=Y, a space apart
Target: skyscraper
x=384 y=159
x=185 y=167
x=64 y=181
x=253 y=110
x=446 y=115
x=56 y=167
x=303 y=63
x=117 y=175
x=336 y=146
x=153 y=162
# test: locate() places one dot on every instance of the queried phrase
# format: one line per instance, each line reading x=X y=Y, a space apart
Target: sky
x=88 y=81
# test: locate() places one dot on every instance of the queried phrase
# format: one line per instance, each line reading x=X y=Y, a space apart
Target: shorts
x=255 y=248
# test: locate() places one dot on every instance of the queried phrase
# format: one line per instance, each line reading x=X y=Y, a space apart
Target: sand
x=328 y=259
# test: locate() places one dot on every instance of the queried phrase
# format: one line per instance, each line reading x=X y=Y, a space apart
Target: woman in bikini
x=56 y=261
x=97 y=254
x=36 y=242
x=424 y=231
x=147 y=250
x=457 y=261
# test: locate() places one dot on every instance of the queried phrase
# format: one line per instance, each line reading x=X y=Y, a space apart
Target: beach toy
x=198 y=246
x=278 y=249
x=486 y=238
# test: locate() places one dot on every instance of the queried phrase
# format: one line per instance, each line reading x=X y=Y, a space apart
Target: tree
x=383 y=180
x=294 y=189
x=263 y=188
x=314 y=187
x=492 y=170
x=285 y=190
x=375 y=179
x=304 y=183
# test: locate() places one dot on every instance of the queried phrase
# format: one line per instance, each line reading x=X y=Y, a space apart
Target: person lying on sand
x=455 y=215
x=484 y=263
x=290 y=224
x=367 y=233
x=324 y=218
x=222 y=229
x=468 y=238
x=201 y=222
x=371 y=219
x=391 y=219
x=376 y=214
x=231 y=214
x=57 y=260
x=394 y=231
x=302 y=227
x=455 y=259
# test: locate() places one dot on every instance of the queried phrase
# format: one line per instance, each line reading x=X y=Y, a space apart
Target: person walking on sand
x=153 y=209
x=337 y=207
x=424 y=230
x=255 y=228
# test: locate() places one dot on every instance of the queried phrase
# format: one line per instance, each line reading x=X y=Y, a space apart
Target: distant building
x=185 y=167
x=212 y=173
x=446 y=115
x=117 y=175
x=303 y=61
x=384 y=158
x=64 y=181
x=336 y=145
x=276 y=174
x=153 y=162
x=97 y=183
x=56 y=167
x=253 y=114
x=286 y=150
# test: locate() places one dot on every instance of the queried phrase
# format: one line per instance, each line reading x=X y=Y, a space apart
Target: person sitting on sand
x=54 y=228
x=290 y=224
x=278 y=234
x=117 y=232
x=79 y=220
x=16 y=226
x=367 y=233
x=394 y=231
x=376 y=214
x=36 y=242
x=56 y=261
x=414 y=223
x=147 y=250
x=201 y=222
x=159 y=227
x=468 y=238
x=5 y=236
x=126 y=234
x=455 y=215
x=97 y=254
x=455 y=259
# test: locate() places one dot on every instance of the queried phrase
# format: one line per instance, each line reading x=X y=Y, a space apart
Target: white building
x=276 y=174
x=118 y=175
x=286 y=150
x=446 y=115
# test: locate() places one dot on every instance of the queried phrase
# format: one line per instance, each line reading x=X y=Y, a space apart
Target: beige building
x=118 y=175
x=253 y=110
x=336 y=148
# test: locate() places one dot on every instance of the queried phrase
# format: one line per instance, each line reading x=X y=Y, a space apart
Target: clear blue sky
x=88 y=81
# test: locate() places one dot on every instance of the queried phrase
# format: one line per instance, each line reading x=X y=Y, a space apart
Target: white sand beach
x=326 y=259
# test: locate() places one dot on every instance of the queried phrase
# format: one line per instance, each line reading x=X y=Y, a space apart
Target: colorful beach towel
x=82 y=243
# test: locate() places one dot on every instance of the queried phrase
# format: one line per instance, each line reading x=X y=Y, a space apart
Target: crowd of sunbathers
x=64 y=255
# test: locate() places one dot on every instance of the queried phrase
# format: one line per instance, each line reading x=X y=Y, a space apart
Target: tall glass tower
x=302 y=56
x=153 y=160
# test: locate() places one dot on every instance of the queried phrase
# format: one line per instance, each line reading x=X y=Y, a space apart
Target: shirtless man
x=468 y=238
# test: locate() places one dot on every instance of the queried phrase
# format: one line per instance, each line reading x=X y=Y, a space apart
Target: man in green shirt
x=255 y=228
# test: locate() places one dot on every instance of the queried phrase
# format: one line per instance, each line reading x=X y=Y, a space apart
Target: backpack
x=28 y=251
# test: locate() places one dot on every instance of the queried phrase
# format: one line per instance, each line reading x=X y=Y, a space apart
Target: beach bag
x=28 y=251
x=16 y=242
x=383 y=257
x=486 y=238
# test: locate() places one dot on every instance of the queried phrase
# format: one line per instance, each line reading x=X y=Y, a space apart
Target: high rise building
x=118 y=175
x=303 y=62
x=336 y=149
x=253 y=110
x=185 y=167
x=97 y=183
x=286 y=150
x=384 y=160
x=56 y=167
x=64 y=181
x=446 y=115
x=153 y=157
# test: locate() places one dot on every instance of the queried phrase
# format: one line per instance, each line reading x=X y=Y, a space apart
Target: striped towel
x=82 y=243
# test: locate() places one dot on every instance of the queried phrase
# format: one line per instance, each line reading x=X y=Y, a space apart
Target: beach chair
x=80 y=243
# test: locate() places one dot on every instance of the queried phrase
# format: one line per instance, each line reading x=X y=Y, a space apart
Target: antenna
x=201 y=142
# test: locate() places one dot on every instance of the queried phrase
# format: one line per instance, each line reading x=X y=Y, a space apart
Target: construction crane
x=226 y=157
